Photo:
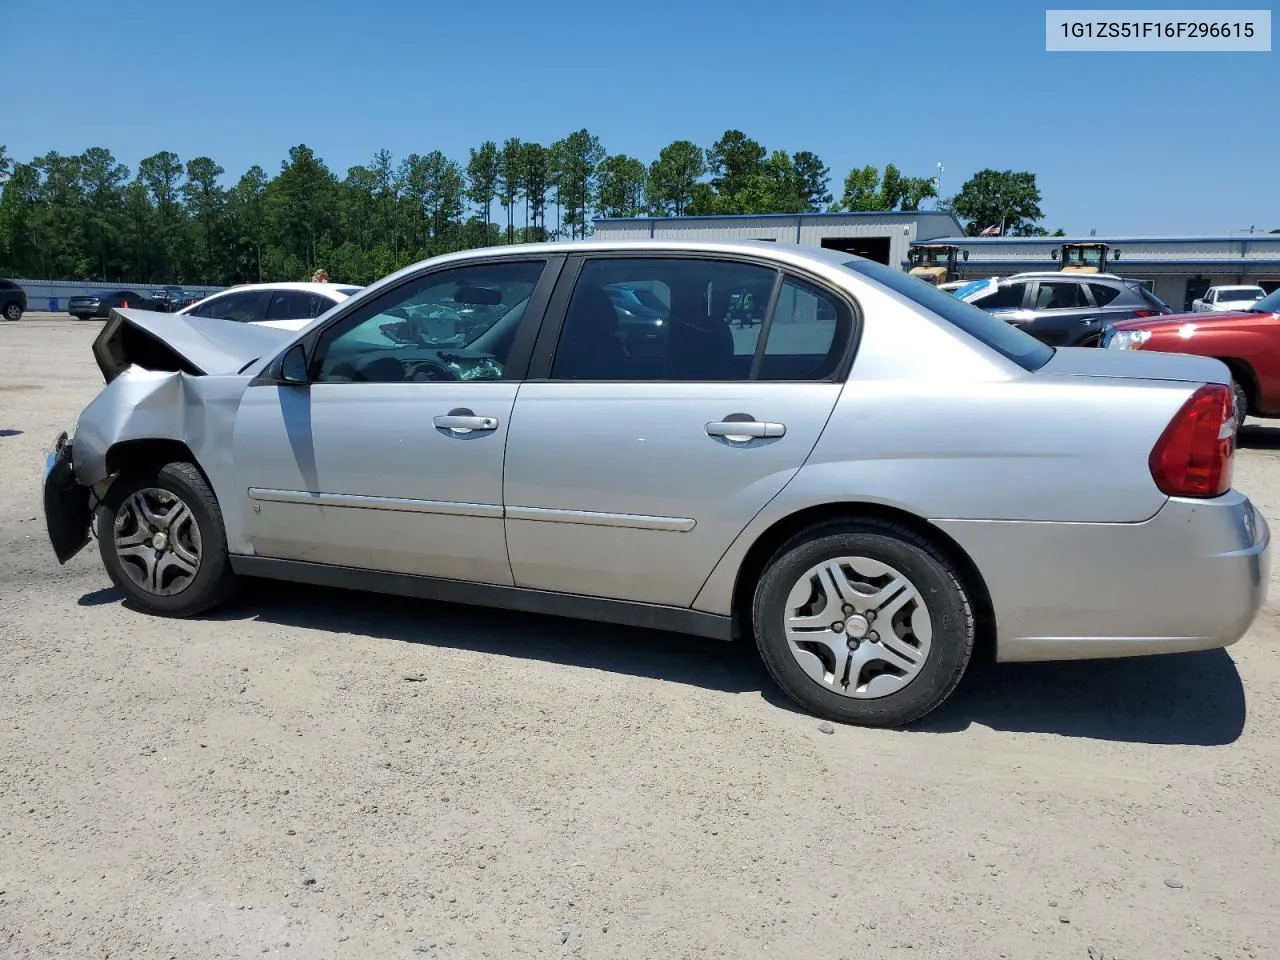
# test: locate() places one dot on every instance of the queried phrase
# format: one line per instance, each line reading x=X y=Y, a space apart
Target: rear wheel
x=12 y=311
x=1241 y=397
x=162 y=541
x=864 y=622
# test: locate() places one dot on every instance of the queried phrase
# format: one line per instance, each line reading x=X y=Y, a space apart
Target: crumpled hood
x=200 y=346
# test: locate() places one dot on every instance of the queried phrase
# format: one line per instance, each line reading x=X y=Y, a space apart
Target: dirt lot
x=268 y=782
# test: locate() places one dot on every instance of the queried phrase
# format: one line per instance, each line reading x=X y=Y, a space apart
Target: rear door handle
x=464 y=422
x=741 y=431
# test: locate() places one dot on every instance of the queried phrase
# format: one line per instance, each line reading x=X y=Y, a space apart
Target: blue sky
x=1125 y=143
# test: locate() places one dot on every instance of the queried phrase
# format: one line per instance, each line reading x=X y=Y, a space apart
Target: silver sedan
x=870 y=479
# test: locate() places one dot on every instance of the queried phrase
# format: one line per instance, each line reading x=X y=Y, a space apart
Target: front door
x=629 y=477
x=391 y=457
x=1064 y=314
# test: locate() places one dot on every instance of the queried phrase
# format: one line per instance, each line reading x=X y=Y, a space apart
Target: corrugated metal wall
x=52 y=295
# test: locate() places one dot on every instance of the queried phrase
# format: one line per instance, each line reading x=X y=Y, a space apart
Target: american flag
x=991 y=231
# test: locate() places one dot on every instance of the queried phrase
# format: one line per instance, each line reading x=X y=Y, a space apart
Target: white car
x=288 y=306
x=1217 y=299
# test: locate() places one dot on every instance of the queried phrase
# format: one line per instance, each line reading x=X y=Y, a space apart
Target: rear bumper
x=1192 y=577
x=67 y=514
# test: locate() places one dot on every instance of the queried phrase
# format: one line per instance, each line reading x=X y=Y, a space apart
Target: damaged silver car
x=871 y=480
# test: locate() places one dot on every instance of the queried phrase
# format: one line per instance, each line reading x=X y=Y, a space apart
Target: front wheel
x=12 y=311
x=864 y=622
x=162 y=541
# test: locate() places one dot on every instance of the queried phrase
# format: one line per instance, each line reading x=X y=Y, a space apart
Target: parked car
x=1227 y=298
x=868 y=483
x=97 y=306
x=13 y=300
x=1245 y=340
x=1063 y=309
x=290 y=306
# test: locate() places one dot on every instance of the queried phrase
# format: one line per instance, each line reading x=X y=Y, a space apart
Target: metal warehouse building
x=882 y=235
x=1178 y=269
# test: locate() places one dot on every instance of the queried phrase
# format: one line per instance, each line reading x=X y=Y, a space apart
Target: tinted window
x=1102 y=295
x=294 y=305
x=705 y=324
x=1007 y=297
x=1060 y=295
x=244 y=307
x=454 y=324
x=1004 y=338
x=807 y=336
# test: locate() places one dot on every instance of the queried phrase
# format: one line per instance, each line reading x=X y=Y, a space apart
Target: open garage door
x=873 y=248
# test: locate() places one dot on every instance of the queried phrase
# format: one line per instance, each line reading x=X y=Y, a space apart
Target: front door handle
x=462 y=421
x=740 y=431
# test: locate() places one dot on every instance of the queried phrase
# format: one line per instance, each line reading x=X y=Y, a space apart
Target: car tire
x=852 y=674
x=151 y=525
x=12 y=311
x=1241 y=397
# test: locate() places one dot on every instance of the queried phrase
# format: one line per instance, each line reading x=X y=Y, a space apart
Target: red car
x=1247 y=341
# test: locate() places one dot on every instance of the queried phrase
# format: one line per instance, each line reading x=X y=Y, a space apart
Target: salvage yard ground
x=319 y=774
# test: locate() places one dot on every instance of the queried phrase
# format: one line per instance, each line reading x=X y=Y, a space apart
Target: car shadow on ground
x=1195 y=699
x=1254 y=437
x=10 y=433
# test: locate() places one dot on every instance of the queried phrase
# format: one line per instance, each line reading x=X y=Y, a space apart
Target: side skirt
x=625 y=612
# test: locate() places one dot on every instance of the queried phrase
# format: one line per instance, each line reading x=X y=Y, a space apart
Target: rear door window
x=1060 y=295
x=293 y=305
x=245 y=307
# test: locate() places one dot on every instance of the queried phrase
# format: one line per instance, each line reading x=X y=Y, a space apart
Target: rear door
x=628 y=476
x=1065 y=314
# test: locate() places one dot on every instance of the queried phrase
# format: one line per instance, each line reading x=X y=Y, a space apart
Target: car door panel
x=358 y=475
x=391 y=457
x=634 y=490
x=618 y=490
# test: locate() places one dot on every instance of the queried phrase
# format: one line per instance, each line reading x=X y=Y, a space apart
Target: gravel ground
x=271 y=781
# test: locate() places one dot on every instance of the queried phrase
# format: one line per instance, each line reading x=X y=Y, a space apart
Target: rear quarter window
x=1004 y=338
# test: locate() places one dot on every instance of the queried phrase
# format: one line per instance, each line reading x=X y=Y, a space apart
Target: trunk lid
x=200 y=346
x=1135 y=365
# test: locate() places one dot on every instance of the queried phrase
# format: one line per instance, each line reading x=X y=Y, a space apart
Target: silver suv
x=1063 y=309
x=870 y=481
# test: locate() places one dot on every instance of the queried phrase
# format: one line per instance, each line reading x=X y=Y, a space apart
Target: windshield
x=1240 y=293
x=1268 y=304
x=1004 y=338
x=1082 y=256
x=931 y=258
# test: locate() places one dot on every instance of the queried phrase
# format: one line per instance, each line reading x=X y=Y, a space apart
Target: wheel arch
x=1244 y=374
x=125 y=455
x=767 y=544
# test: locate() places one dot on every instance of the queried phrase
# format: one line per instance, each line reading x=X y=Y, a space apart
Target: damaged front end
x=173 y=380
x=67 y=514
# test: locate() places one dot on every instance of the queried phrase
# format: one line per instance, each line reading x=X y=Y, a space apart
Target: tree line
x=89 y=217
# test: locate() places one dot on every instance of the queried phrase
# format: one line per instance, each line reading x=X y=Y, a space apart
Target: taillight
x=1193 y=457
x=1143 y=314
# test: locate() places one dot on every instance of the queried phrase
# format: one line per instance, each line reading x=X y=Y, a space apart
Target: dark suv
x=1063 y=309
x=13 y=300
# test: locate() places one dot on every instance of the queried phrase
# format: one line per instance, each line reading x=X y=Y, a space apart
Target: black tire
x=1241 y=397
x=12 y=311
x=934 y=576
x=213 y=582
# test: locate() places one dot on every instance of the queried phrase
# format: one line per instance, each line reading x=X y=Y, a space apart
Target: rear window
x=1004 y=338
x=349 y=291
x=1150 y=298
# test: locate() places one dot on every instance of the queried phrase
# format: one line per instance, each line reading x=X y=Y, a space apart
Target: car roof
x=1236 y=286
x=306 y=286
x=1058 y=275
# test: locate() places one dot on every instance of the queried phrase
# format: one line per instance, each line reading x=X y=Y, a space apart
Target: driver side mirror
x=293 y=367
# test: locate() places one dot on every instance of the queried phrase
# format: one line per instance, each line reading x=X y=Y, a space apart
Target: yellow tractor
x=934 y=263
x=1085 y=257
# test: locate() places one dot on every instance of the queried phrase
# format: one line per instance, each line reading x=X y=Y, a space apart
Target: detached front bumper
x=67 y=514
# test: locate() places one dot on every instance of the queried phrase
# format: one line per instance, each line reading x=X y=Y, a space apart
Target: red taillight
x=1143 y=314
x=1193 y=457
